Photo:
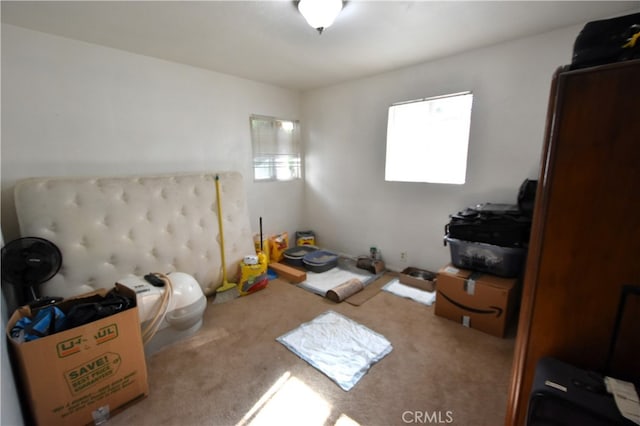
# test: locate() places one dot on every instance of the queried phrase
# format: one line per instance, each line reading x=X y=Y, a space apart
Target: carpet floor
x=234 y=372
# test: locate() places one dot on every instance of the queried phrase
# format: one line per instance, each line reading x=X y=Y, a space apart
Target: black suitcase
x=606 y=41
x=564 y=395
x=502 y=225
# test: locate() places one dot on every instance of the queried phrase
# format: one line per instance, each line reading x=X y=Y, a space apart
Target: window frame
x=269 y=161
x=399 y=159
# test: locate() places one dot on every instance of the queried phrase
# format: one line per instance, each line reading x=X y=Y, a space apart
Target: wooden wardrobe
x=585 y=240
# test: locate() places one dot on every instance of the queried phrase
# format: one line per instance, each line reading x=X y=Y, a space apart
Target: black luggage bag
x=565 y=395
x=502 y=225
x=607 y=41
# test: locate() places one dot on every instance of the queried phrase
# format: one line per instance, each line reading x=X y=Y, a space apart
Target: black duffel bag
x=503 y=225
x=607 y=41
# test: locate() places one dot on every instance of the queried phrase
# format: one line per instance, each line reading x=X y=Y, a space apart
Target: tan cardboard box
x=407 y=277
x=477 y=300
x=88 y=370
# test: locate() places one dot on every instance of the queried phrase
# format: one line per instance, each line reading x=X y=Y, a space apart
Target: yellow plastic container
x=252 y=278
x=278 y=244
x=305 y=238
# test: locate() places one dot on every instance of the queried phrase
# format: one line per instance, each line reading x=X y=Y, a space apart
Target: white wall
x=10 y=413
x=349 y=204
x=73 y=108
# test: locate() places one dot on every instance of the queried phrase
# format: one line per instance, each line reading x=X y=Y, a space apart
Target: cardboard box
x=475 y=299
x=417 y=278
x=91 y=370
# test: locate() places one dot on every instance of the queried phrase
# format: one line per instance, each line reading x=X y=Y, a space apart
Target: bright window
x=427 y=139
x=276 y=148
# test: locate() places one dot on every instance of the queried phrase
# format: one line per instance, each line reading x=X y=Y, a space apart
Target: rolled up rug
x=345 y=290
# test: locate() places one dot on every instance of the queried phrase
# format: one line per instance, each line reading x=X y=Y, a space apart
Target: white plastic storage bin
x=489 y=258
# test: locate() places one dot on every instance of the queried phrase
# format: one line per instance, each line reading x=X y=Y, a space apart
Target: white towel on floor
x=321 y=282
x=396 y=287
x=339 y=347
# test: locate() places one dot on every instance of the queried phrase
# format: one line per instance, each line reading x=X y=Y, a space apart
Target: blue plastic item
x=47 y=321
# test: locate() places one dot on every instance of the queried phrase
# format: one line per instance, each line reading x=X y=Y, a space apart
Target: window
x=276 y=148
x=427 y=139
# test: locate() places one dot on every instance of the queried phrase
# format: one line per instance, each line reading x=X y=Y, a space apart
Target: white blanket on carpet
x=322 y=282
x=339 y=347
x=396 y=287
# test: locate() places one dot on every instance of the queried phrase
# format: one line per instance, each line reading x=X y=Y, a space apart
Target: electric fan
x=28 y=262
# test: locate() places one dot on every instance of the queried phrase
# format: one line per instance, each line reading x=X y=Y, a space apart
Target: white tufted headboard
x=108 y=228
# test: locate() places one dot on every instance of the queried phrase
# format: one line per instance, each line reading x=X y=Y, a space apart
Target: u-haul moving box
x=475 y=299
x=83 y=374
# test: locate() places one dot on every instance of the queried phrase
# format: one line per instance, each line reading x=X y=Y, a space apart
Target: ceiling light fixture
x=320 y=14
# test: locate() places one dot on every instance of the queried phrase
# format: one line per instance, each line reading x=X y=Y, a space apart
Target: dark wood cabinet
x=585 y=241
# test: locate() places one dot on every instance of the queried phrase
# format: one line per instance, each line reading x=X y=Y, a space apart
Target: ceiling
x=269 y=41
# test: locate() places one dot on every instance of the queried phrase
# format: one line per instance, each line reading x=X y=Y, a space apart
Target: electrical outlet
x=403 y=256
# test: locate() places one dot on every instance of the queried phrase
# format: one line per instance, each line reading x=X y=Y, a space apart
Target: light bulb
x=320 y=14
